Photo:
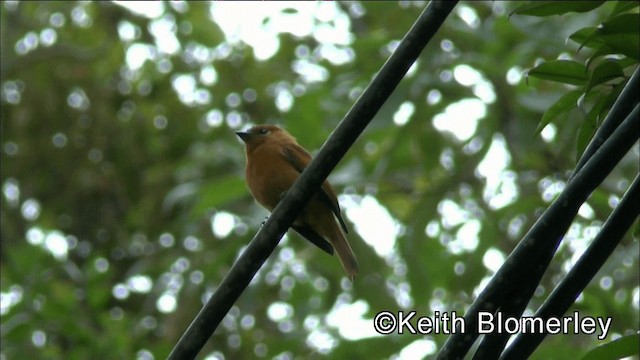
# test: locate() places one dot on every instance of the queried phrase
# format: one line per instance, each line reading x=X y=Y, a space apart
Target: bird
x=275 y=160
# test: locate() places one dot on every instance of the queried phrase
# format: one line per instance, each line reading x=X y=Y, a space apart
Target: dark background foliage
x=124 y=202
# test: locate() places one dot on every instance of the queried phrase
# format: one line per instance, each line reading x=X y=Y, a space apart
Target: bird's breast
x=269 y=176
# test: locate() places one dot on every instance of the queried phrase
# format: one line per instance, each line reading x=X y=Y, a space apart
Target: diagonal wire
x=345 y=134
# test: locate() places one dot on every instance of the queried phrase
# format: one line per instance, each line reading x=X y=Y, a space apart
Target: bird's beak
x=243 y=135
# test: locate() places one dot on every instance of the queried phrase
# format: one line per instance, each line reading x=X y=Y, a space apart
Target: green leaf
x=623 y=347
x=559 y=109
x=605 y=71
x=624 y=6
x=595 y=117
x=603 y=50
x=586 y=37
x=547 y=8
x=563 y=71
x=621 y=34
x=627 y=45
x=621 y=24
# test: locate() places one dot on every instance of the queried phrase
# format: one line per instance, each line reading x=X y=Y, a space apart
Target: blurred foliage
x=124 y=203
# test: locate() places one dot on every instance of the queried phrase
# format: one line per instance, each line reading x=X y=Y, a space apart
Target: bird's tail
x=345 y=254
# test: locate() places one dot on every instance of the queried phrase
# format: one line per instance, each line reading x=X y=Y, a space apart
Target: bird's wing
x=300 y=158
x=314 y=238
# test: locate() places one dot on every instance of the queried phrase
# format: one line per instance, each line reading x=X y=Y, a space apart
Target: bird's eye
x=263 y=131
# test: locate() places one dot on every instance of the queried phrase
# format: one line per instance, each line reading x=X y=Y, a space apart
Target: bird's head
x=260 y=134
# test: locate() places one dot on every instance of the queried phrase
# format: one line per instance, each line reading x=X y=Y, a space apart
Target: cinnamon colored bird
x=274 y=163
